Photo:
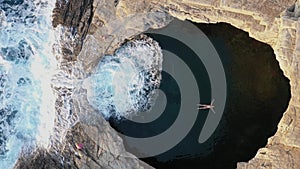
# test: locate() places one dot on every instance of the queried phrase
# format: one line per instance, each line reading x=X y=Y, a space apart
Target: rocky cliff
x=100 y=26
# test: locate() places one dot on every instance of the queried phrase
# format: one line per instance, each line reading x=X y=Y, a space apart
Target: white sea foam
x=26 y=69
x=123 y=84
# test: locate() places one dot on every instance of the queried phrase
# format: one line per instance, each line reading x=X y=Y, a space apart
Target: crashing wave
x=36 y=97
x=25 y=74
x=123 y=84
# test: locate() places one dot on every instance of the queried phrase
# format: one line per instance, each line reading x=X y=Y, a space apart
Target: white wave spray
x=26 y=69
x=123 y=84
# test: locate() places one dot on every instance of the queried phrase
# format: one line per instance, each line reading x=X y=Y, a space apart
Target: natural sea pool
x=257 y=96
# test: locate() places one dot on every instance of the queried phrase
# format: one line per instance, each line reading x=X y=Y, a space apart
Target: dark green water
x=258 y=95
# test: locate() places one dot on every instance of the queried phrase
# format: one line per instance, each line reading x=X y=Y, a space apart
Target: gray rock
x=100 y=26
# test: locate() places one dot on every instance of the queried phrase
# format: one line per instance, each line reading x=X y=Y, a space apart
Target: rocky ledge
x=100 y=26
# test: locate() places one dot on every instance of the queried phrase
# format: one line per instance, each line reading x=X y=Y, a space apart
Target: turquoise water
x=25 y=35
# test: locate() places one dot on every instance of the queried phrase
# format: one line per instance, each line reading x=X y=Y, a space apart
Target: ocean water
x=32 y=81
x=26 y=65
x=122 y=86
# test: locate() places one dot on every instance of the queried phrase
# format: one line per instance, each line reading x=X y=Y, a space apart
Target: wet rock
x=77 y=16
x=102 y=25
x=39 y=159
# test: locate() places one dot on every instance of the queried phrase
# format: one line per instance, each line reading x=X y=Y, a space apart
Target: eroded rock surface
x=273 y=22
x=76 y=16
x=102 y=25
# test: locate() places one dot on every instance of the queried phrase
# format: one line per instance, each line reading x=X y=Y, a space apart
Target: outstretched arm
x=213 y=110
x=212 y=102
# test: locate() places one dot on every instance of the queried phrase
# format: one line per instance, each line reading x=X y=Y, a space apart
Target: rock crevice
x=102 y=25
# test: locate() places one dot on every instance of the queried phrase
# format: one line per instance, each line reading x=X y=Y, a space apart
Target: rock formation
x=100 y=26
x=274 y=23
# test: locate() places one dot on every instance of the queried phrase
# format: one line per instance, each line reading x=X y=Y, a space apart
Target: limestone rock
x=102 y=25
x=273 y=22
x=112 y=25
x=77 y=16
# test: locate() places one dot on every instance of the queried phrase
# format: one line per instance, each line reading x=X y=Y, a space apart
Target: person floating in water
x=207 y=106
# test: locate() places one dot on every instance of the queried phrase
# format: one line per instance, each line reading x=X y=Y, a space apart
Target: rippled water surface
x=257 y=96
x=123 y=84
